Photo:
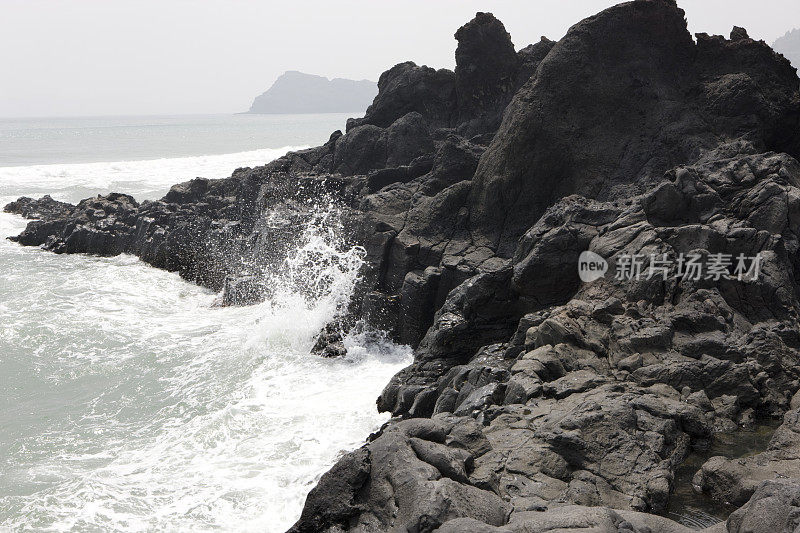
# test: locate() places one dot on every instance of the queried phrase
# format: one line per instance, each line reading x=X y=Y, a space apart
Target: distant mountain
x=789 y=46
x=296 y=92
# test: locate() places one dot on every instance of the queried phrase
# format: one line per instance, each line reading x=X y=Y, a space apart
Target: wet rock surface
x=535 y=402
x=735 y=481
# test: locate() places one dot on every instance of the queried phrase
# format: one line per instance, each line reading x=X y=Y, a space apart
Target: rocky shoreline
x=536 y=402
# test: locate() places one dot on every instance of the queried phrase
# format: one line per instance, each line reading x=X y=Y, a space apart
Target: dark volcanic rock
x=579 y=518
x=608 y=83
x=611 y=109
x=529 y=59
x=45 y=208
x=407 y=88
x=775 y=506
x=536 y=401
x=486 y=71
x=620 y=365
x=749 y=90
x=333 y=500
x=361 y=150
x=411 y=475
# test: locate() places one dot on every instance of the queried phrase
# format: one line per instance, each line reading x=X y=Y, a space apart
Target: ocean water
x=128 y=402
x=34 y=141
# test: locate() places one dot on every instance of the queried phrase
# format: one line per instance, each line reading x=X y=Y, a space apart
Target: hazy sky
x=99 y=57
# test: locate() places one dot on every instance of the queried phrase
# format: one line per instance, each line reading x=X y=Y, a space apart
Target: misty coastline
x=218 y=345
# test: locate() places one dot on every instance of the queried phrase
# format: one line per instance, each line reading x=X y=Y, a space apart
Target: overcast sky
x=101 y=57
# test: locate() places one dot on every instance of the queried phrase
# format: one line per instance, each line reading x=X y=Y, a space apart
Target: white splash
x=165 y=413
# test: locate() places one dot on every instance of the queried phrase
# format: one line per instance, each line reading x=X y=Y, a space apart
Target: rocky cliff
x=296 y=92
x=537 y=401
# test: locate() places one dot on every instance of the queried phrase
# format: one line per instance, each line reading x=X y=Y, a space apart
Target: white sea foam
x=145 y=179
x=132 y=404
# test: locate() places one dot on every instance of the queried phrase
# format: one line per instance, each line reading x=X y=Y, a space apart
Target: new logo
x=591 y=266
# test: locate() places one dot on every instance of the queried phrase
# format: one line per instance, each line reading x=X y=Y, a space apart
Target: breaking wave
x=145 y=179
x=135 y=404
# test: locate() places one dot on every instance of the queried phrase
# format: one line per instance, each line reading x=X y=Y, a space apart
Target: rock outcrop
x=536 y=401
x=611 y=109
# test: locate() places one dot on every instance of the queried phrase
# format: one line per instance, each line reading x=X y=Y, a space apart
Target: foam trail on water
x=144 y=179
x=169 y=414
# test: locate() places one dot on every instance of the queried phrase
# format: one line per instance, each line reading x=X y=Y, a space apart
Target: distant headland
x=297 y=92
x=789 y=46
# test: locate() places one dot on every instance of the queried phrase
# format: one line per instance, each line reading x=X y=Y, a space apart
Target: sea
x=128 y=400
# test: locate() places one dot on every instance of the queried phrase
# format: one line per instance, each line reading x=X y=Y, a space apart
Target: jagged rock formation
x=536 y=401
x=789 y=46
x=296 y=92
